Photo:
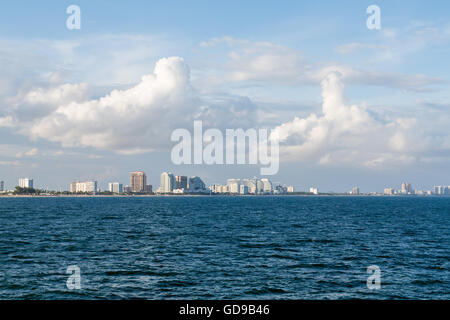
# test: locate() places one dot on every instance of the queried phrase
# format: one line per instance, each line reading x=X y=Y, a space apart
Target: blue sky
x=266 y=59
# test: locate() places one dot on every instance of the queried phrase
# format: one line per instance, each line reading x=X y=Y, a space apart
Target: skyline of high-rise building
x=87 y=186
x=26 y=183
x=181 y=182
x=407 y=188
x=115 y=187
x=167 y=182
x=138 y=181
x=196 y=184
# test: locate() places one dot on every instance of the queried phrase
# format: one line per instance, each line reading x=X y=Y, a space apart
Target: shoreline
x=218 y=195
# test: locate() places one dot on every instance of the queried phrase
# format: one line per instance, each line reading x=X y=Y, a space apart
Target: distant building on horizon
x=314 y=190
x=115 y=187
x=441 y=190
x=138 y=181
x=2 y=186
x=196 y=184
x=26 y=183
x=355 y=191
x=389 y=191
x=233 y=185
x=167 y=183
x=290 y=189
x=181 y=182
x=243 y=189
x=267 y=186
x=407 y=188
x=85 y=187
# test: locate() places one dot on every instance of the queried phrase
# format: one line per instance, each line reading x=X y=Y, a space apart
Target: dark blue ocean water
x=225 y=247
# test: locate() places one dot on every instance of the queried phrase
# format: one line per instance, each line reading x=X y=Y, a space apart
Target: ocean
x=225 y=247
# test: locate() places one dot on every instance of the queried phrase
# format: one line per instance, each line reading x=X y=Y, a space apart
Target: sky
x=352 y=106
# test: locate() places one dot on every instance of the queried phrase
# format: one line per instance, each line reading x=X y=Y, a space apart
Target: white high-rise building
x=167 y=182
x=314 y=190
x=250 y=184
x=115 y=187
x=267 y=185
x=243 y=189
x=88 y=186
x=233 y=185
x=26 y=183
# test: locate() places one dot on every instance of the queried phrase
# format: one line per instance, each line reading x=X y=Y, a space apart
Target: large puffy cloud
x=351 y=134
x=135 y=120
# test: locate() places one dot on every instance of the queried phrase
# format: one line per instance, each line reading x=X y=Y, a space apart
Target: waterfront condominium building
x=167 y=182
x=267 y=185
x=243 y=189
x=25 y=183
x=355 y=191
x=407 y=188
x=115 y=187
x=196 y=184
x=88 y=186
x=138 y=181
x=181 y=182
x=389 y=191
x=233 y=185
x=441 y=190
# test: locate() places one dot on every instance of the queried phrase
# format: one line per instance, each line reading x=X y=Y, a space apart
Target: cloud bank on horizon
x=141 y=118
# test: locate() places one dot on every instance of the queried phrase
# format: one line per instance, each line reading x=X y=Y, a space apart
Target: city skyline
x=179 y=184
x=352 y=105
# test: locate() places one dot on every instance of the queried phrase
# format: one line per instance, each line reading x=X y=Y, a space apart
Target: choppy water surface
x=225 y=247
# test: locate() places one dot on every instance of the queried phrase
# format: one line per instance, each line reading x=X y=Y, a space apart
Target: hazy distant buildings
x=441 y=190
x=251 y=185
x=218 y=188
x=313 y=190
x=83 y=187
x=26 y=183
x=167 y=183
x=115 y=187
x=196 y=184
x=290 y=189
x=243 y=189
x=2 y=186
x=389 y=191
x=407 y=188
x=233 y=185
x=181 y=182
x=355 y=191
x=279 y=189
x=138 y=181
x=267 y=186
